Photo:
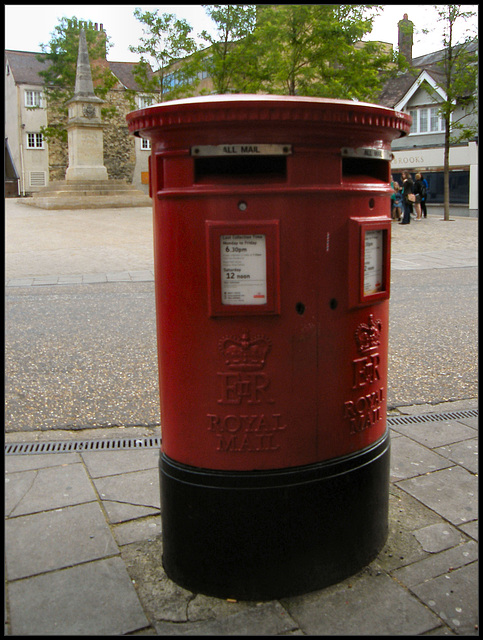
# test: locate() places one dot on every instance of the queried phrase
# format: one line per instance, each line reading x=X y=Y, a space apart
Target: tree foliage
x=458 y=78
x=166 y=40
x=459 y=74
x=315 y=50
x=229 y=60
x=311 y=50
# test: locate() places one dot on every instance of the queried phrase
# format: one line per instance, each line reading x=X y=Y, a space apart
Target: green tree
x=316 y=50
x=230 y=57
x=166 y=42
x=60 y=55
x=458 y=78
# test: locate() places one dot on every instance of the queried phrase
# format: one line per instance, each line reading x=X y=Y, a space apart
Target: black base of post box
x=264 y=535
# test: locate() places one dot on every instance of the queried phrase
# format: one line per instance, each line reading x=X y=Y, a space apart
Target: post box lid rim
x=243 y=104
x=240 y=98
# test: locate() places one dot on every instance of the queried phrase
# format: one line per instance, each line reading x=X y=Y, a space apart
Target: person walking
x=407 y=197
x=424 y=196
x=418 y=192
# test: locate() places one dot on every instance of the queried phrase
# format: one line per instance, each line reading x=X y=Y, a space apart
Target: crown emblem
x=368 y=336
x=244 y=353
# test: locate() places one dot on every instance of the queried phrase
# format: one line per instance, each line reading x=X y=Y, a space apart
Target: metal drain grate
x=82 y=445
x=432 y=417
x=155 y=441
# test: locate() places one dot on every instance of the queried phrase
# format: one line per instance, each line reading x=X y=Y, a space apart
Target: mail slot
x=272 y=284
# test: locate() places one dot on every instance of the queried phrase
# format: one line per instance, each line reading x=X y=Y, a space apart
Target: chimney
x=405 y=38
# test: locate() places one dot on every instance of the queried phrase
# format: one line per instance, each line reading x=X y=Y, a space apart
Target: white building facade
x=26 y=113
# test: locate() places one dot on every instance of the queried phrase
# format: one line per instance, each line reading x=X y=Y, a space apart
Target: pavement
x=82 y=527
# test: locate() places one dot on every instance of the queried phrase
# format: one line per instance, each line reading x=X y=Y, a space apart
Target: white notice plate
x=243 y=269
x=373 y=262
x=252 y=149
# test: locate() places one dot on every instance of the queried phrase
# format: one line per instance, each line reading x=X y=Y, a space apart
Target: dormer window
x=426 y=120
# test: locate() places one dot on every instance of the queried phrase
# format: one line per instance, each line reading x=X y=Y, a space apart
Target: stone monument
x=84 y=125
x=86 y=184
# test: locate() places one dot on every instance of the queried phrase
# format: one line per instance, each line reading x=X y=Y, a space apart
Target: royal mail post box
x=272 y=258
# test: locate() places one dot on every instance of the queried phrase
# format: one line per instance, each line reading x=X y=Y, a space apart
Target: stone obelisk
x=84 y=125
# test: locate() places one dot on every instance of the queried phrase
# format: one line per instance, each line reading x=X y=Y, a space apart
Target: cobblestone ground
x=435 y=234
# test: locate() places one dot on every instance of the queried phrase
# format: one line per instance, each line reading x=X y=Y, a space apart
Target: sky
x=28 y=26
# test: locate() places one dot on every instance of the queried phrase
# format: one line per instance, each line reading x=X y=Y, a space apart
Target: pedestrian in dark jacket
x=424 y=197
x=407 y=190
x=418 y=192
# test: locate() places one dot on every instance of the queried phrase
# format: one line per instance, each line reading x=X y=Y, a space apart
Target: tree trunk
x=446 y=171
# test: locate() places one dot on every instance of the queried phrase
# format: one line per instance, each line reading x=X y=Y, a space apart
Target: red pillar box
x=272 y=257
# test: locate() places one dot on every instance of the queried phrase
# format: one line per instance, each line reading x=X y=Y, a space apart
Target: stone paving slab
x=107 y=463
x=452 y=598
x=376 y=605
x=409 y=459
x=452 y=493
x=118 y=512
x=438 y=537
x=89 y=599
x=136 y=487
x=50 y=488
x=267 y=619
x=470 y=529
x=437 y=564
x=26 y=463
x=436 y=434
x=470 y=422
x=137 y=530
x=63 y=544
x=464 y=453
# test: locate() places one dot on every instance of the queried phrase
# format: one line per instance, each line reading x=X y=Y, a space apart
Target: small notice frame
x=243 y=267
x=369 y=260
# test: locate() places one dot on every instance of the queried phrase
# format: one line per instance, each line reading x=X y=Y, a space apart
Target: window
x=459 y=186
x=170 y=81
x=145 y=101
x=35 y=141
x=33 y=98
x=435 y=120
x=145 y=144
x=423 y=121
x=426 y=120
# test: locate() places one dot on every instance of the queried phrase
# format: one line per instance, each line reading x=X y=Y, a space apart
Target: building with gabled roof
x=419 y=92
